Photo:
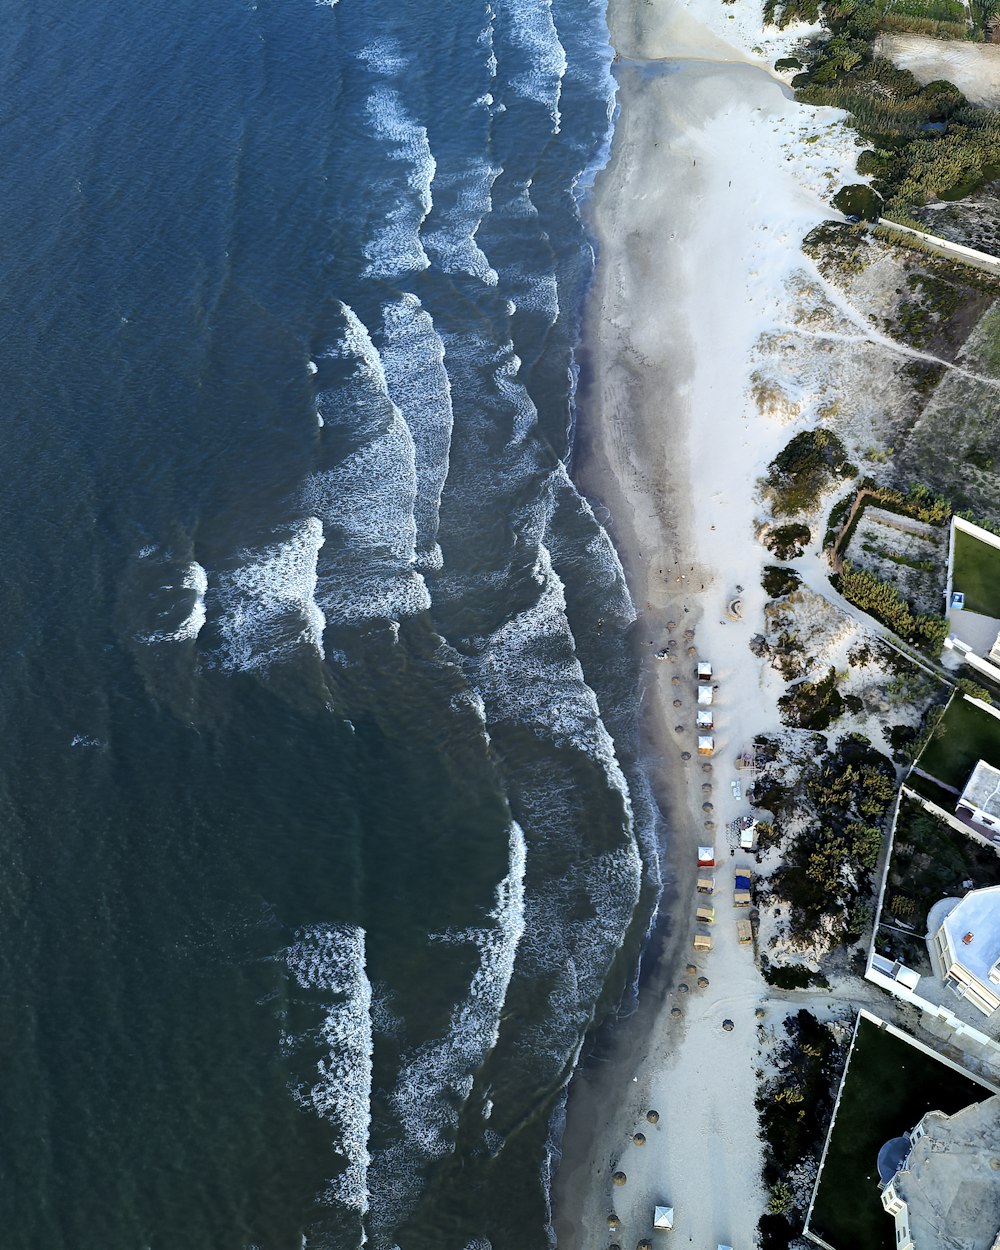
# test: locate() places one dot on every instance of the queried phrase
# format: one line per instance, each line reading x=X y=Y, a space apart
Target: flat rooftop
x=983 y=788
x=952 y=1179
x=973 y=929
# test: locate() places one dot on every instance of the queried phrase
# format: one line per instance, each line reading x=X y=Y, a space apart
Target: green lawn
x=969 y=734
x=890 y=1084
x=976 y=573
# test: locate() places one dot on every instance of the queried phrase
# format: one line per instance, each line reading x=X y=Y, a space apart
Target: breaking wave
x=532 y=31
x=265 y=607
x=194 y=578
x=367 y=502
x=396 y=248
x=417 y=382
x=331 y=960
x=436 y=1079
x=466 y=201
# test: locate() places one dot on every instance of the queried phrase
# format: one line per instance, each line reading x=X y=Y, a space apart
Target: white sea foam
x=384 y=56
x=193 y=578
x=536 y=293
x=85 y=740
x=266 y=606
x=453 y=241
x=312 y=366
x=397 y=248
x=436 y=1078
x=418 y=384
x=485 y=40
x=531 y=29
x=575 y=951
x=379 y=594
x=331 y=959
x=367 y=500
x=521 y=205
x=147 y=551
x=529 y=674
x=367 y=503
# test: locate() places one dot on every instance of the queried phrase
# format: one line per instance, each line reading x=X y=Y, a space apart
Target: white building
x=980 y=801
x=941 y=1183
x=965 y=946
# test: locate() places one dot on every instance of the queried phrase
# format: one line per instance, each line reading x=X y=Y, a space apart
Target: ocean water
x=323 y=838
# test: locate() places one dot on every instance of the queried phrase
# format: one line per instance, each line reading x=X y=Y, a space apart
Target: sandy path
x=715 y=176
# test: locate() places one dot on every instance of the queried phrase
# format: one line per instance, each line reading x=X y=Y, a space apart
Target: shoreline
x=689 y=273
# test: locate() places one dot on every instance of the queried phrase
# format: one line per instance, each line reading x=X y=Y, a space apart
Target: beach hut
x=705 y=695
x=663 y=1217
x=705 y=914
x=741 y=894
x=748 y=834
x=706 y=885
x=705 y=719
x=706 y=856
x=744 y=932
x=706 y=744
x=704 y=670
x=702 y=941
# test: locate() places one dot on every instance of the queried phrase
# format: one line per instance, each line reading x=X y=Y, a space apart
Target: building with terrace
x=941 y=1182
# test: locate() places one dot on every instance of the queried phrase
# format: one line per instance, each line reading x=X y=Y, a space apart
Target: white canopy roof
x=663 y=1217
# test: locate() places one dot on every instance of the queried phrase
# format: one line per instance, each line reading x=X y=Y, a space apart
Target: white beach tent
x=663 y=1217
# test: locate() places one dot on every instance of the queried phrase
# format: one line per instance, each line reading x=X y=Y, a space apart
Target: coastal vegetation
x=778 y=581
x=825 y=879
x=795 y=1107
x=812 y=704
x=803 y=469
x=788 y=542
x=928 y=142
x=883 y=601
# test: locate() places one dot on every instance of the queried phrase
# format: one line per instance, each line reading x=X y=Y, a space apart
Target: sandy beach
x=716 y=174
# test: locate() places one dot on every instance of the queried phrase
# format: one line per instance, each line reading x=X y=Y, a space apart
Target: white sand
x=973 y=67
x=716 y=174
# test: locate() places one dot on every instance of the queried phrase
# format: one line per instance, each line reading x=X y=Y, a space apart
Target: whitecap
x=437 y=1077
x=532 y=30
x=453 y=241
x=383 y=56
x=193 y=578
x=417 y=382
x=367 y=503
x=396 y=247
x=331 y=959
x=266 y=605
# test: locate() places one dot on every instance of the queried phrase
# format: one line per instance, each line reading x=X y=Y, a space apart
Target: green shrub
x=800 y=472
x=974 y=690
x=788 y=541
x=883 y=601
x=812 y=704
x=778 y=581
